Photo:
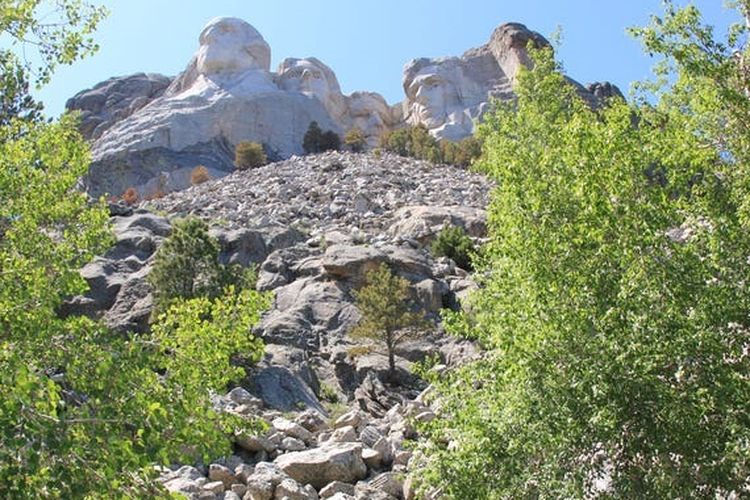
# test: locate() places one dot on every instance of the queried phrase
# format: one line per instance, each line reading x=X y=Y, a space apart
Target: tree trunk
x=391 y=357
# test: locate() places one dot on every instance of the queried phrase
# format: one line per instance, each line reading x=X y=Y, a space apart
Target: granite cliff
x=149 y=131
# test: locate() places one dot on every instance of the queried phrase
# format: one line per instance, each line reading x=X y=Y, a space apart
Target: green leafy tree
x=462 y=153
x=15 y=101
x=84 y=412
x=187 y=266
x=453 y=242
x=49 y=33
x=249 y=155
x=355 y=140
x=614 y=309
x=412 y=142
x=388 y=315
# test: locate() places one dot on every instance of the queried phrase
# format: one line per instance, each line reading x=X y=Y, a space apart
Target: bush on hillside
x=355 y=140
x=130 y=196
x=416 y=142
x=453 y=242
x=462 y=153
x=330 y=141
x=199 y=175
x=249 y=155
x=187 y=266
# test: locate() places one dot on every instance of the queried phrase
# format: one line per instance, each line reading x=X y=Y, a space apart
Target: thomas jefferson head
x=313 y=78
x=230 y=45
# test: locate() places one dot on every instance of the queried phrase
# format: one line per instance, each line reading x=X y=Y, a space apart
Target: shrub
x=130 y=196
x=387 y=312
x=199 y=175
x=313 y=138
x=416 y=142
x=412 y=142
x=187 y=266
x=453 y=242
x=249 y=155
x=461 y=153
x=355 y=140
x=317 y=141
x=330 y=141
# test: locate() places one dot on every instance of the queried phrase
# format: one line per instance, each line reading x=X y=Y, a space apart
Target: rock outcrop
x=114 y=100
x=450 y=95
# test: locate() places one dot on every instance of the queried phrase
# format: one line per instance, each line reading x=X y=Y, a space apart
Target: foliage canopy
x=614 y=308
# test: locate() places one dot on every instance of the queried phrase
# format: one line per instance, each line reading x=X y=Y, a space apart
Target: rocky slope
x=150 y=137
x=313 y=225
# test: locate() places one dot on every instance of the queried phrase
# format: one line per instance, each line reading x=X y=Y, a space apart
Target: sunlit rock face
x=370 y=113
x=227 y=94
x=449 y=95
x=314 y=79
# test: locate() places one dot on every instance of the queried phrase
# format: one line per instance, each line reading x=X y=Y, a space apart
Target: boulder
x=280 y=389
x=289 y=489
x=390 y=483
x=337 y=487
x=320 y=466
x=423 y=223
x=373 y=397
x=303 y=310
x=292 y=429
x=218 y=472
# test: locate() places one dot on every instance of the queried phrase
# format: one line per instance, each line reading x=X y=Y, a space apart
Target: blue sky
x=367 y=43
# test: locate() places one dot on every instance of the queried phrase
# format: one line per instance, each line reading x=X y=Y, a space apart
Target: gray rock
x=423 y=223
x=303 y=310
x=347 y=434
x=353 y=418
x=292 y=444
x=388 y=482
x=323 y=465
x=114 y=100
x=312 y=421
x=289 y=489
x=292 y=429
x=337 y=487
x=214 y=487
x=254 y=444
x=241 y=246
x=218 y=472
x=261 y=485
x=280 y=389
x=374 y=398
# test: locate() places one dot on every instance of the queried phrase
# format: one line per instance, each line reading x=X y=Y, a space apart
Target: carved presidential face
x=308 y=76
x=370 y=113
x=432 y=90
x=229 y=45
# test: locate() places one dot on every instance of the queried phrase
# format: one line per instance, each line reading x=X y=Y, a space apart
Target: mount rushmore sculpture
x=149 y=132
